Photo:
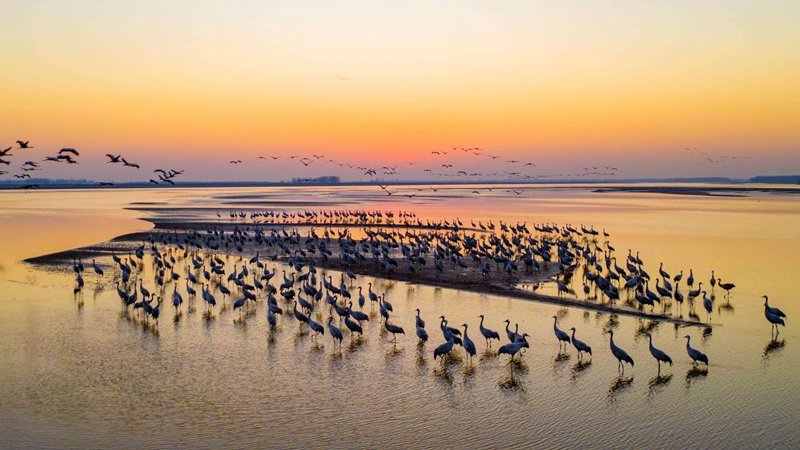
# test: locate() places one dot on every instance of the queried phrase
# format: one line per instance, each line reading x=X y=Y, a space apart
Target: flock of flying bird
x=69 y=155
x=491 y=251
x=65 y=155
x=513 y=169
x=448 y=167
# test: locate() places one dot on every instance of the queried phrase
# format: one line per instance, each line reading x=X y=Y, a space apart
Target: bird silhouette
x=696 y=355
x=659 y=355
x=513 y=348
x=580 y=346
x=621 y=355
x=771 y=310
x=394 y=329
x=443 y=349
x=563 y=338
x=468 y=345
x=487 y=333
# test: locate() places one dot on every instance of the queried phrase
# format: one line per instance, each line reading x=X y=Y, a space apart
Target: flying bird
x=128 y=164
x=24 y=144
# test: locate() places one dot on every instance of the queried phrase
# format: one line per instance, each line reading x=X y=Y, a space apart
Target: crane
x=658 y=354
x=621 y=355
x=560 y=335
x=695 y=354
x=580 y=346
x=488 y=334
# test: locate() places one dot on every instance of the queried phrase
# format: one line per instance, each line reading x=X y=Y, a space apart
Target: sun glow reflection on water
x=80 y=373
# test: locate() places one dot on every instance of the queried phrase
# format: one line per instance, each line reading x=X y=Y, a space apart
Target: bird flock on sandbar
x=381 y=243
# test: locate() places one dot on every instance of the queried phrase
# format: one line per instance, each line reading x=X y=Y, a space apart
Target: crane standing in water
x=774 y=315
x=621 y=355
x=563 y=338
x=580 y=346
x=659 y=355
x=695 y=354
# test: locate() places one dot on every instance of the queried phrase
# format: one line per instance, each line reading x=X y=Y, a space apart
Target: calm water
x=81 y=375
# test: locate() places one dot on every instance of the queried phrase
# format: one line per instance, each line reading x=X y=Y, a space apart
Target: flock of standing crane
x=306 y=291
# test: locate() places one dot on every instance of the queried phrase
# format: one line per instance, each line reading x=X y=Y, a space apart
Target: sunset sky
x=564 y=85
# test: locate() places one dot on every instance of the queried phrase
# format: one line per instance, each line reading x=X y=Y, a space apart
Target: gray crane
x=488 y=334
x=560 y=335
x=659 y=355
x=468 y=345
x=580 y=346
x=621 y=355
x=695 y=354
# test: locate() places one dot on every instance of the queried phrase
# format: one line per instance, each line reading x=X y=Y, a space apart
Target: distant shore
x=683 y=186
x=716 y=191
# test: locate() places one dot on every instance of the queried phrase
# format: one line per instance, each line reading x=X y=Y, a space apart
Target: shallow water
x=77 y=372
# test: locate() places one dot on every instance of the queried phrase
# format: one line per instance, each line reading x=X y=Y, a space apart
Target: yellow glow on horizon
x=400 y=80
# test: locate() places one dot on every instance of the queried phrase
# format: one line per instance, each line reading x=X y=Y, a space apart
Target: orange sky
x=565 y=84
